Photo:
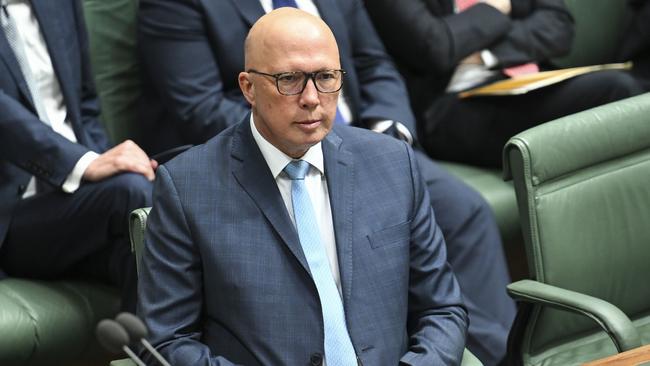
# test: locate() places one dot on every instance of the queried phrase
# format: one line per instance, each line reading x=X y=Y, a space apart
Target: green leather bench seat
x=501 y=197
x=498 y=194
x=52 y=322
x=599 y=25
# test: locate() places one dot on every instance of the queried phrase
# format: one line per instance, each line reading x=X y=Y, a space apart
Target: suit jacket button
x=316 y=359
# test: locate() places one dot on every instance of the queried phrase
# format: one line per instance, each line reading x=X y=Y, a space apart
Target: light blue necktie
x=338 y=346
x=292 y=4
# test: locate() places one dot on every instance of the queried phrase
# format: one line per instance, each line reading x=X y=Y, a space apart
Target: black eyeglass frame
x=308 y=76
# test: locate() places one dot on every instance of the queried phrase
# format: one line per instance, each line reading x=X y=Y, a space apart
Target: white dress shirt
x=48 y=86
x=316 y=187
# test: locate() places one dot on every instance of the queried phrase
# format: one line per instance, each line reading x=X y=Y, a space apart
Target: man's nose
x=310 y=97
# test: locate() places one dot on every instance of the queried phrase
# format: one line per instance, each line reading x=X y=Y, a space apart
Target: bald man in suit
x=192 y=53
x=231 y=273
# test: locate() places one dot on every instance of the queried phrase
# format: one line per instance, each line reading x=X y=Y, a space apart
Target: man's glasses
x=292 y=83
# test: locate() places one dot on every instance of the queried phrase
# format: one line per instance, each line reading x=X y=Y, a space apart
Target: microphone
x=115 y=339
x=137 y=330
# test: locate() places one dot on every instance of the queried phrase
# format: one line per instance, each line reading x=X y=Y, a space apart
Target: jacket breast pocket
x=391 y=236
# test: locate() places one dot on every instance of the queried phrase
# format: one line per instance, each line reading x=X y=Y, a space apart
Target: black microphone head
x=133 y=325
x=112 y=335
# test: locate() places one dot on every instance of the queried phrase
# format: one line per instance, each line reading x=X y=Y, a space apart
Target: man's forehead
x=288 y=26
x=294 y=52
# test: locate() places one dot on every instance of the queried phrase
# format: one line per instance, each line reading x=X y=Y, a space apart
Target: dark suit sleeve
x=178 y=59
x=382 y=90
x=170 y=284
x=437 y=318
x=546 y=32
x=89 y=103
x=424 y=36
x=33 y=146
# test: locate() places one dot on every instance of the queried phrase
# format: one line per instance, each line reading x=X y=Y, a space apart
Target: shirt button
x=316 y=359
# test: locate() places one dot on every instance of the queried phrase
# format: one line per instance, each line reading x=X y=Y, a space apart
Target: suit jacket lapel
x=49 y=20
x=252 y=172
x=251 y=10
x=7 y=55
x=339 y=170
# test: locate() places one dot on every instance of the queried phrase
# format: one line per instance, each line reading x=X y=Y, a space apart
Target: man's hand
x=125 y=157
x=503 y=6
x=473 y=59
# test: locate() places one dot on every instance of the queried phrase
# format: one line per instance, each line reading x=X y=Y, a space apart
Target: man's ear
x=247 y=87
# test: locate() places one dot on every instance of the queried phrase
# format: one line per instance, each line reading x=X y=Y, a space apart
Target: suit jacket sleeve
x=382 y=89
x=439 y=39
x=33 y=146
x=437 y=318
x=170 y=282
x=544 y=32
x=176 y=53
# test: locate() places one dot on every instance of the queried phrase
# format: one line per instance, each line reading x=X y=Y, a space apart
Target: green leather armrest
x=137 y=226
x=610 y=318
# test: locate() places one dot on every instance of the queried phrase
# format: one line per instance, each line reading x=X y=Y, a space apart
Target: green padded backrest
x=598 y=27
x=111 y=28
x=137 y=227
x=583 y=189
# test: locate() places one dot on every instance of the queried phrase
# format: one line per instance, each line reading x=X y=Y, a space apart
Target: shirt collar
x=277 y=160
x=11 y=2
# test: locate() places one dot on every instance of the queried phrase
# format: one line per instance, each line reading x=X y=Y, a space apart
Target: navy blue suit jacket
x=224 y=278
x=27 y=145
x=193 y=51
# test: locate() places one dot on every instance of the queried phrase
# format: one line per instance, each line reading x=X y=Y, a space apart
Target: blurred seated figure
x=65 y=194
x=443 y=47
x=635 y=44
x=192 y=55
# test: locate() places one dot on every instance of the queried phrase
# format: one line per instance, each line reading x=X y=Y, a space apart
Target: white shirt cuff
x=381 y=126
x=489 y=59
x=73 y=181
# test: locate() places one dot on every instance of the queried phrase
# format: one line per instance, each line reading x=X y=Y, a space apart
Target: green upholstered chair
x=137 y=227
x=599 y=25
x=583 y=189
x=500 y=196
x=53 y=322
